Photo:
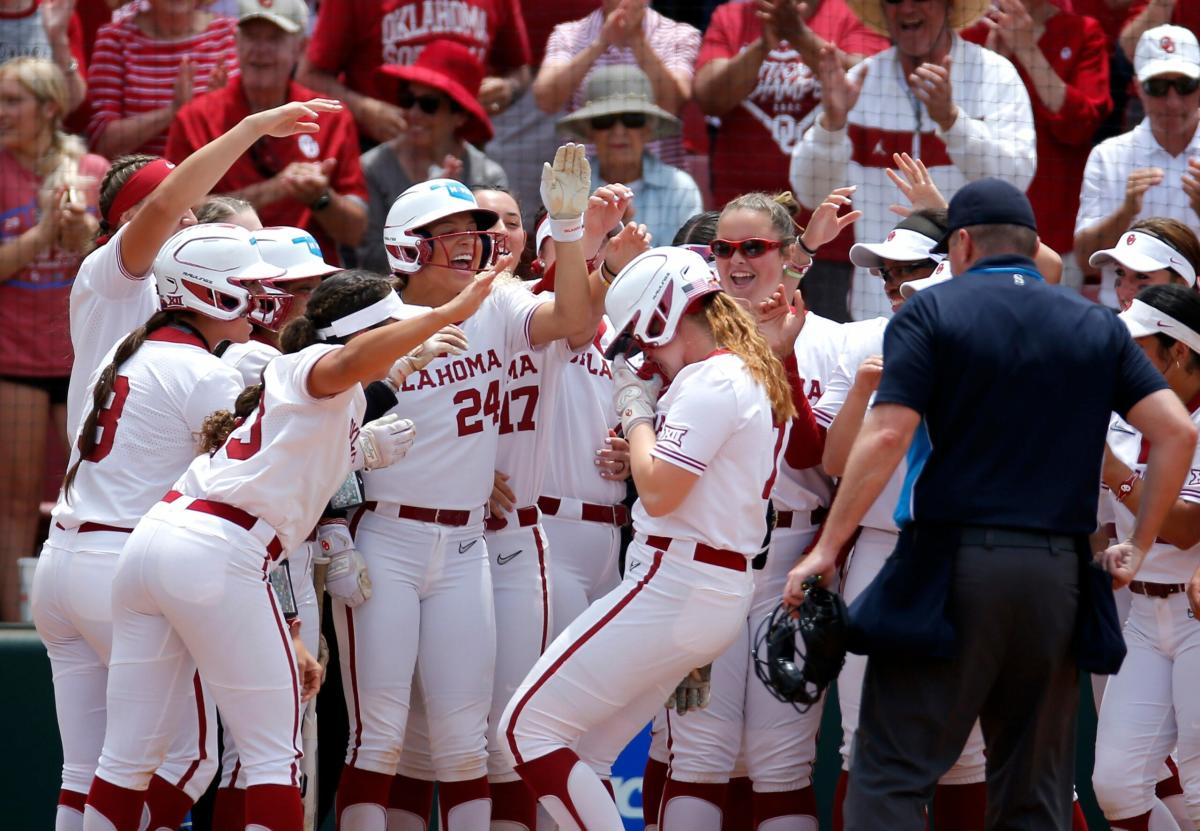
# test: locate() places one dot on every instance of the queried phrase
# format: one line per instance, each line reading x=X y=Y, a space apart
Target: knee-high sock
x=167 y=804
x=70 y=811
x=514 y=807
x=274 y=808
x=739 y=805
x=839 y=799
x=960 y=807
x=111 y=808
x=410 y=804
x=570 y=791
x=464 y=806
x=692 y=806
x=654 y=778
x=785 y=810
x=1169 y=791
x=229 y=810
x=362 y=800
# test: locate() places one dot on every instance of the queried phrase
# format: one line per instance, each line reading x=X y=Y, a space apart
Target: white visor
x=941 y=274
x=1142 y=319
x=389 y=308
x=1144 y=253
x=901 y=245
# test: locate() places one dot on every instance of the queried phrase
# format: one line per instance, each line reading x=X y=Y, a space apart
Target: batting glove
x=693 y=692
x=633 y=396
x=347 y=578
x=449 y=340
x=385 y=441
x=566 y=186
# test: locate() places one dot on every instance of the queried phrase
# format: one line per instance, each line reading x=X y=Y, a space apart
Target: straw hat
x=450 y=68
x=612 y=90
x=959 y=15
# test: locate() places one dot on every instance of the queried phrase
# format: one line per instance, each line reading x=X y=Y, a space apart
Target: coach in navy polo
x=1000 y=388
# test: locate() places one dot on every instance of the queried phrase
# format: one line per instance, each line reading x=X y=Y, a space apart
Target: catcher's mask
x=821 y=623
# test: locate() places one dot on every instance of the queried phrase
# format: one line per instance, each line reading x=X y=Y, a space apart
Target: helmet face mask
x=406 y=238
x=270 y=305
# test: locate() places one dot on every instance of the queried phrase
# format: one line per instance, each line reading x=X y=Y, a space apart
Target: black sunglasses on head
x=632 y=121
x=1158 y=87
x=429 y=104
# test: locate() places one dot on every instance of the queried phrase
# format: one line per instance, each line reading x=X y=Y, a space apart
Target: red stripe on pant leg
x=453 y=794
x=654 y=777
x=1171 y=786
x=514 y=802
x=961 y=807
x=541 y=552
x=166 y=803
x=801 y=802
x=362 y=787
x=1078 y=822
x=353 y=662
x=548 y=776
x=229 y=810
x=1138 y=823
x=72 y=799
x=839 y=801
x=295 y=673
x=122 y=807
x=275 y=807
x=201 y=735
x=237 y=768
x=713 y=793
x=413 y=796
x=510 y=734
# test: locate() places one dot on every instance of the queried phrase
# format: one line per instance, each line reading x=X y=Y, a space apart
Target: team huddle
x=445 y=451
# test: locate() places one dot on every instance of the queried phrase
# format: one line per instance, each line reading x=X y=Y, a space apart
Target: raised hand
x=467 y=302
x=917 y=186
x=218 y=77
x=184 y=83
x=605 y=208
x=449 y=340
x=780 y=323
x=839 y=92
x=825 y=224
x=567 y=182
x=294 y=118
x=56 y=18
x=869 y=374
x=1140 y=181
x=633 y=240
x=1012 y=27
x=930 y=82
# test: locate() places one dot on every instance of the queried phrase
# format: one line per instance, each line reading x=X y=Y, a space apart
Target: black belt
x=1156 y=589
x=1014 y=538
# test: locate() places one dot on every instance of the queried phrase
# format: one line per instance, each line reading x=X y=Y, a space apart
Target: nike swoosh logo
x=501 y=559
x=464 y=547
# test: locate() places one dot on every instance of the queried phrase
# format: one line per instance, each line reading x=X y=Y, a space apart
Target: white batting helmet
x=426 y=203
x=294 y=250
x=652 y=293
x=204 y=268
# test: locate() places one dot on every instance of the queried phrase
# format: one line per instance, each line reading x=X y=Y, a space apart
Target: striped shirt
x=132 y=74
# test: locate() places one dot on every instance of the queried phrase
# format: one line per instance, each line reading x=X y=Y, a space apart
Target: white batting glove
x=566 y=186
x=385 y=441
x=347 y=578
x=449 y=340
x=693 y=692
x=633 y=396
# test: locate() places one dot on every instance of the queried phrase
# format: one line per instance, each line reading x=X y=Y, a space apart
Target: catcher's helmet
x=821 y=622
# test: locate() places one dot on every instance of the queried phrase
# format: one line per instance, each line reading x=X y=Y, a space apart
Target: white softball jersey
x=455 y=403
x=149 y=429
x=107 y=303
x=285 y=461
x=715 y=421
x=1164 y=562
x=249 y=359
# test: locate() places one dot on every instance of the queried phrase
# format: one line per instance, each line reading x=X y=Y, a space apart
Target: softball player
x=756 y=248
x=1149 y=707
x=421 y=530
x=143 y=200
x=1154 y=251
x=148 y=405
x=703 y=483
x=193 y=577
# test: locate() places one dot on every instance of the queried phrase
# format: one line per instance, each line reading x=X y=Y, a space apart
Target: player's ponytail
x=118 y=174
x=733 y=329
x=215 y=429
x=104 y=388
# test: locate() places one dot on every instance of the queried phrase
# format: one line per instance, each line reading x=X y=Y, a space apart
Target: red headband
x=139 y=186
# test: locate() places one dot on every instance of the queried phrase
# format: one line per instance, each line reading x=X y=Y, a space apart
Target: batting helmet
x=821 y=622
x=409 y=246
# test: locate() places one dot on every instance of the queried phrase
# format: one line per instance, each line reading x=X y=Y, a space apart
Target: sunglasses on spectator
x=902 y=272
x=632 y=121
x=1158 y=87
x=751 y=249
x=429 y=104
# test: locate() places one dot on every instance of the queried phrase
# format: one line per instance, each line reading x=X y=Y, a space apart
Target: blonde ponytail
x=733 y=329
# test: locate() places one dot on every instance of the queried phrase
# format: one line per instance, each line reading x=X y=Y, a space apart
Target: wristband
x=567 y=230
x=812 y=252
x=607 y=275
x=1122 y=491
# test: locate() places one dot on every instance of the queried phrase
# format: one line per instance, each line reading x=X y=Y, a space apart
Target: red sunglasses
x=751 y=248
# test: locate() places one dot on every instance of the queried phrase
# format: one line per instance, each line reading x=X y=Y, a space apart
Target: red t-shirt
x=753 y=147
x=1075 y=47
x=35 y=339
x=1111 y=20
x=215 y=113
x=356 y=37
x=1186 y=14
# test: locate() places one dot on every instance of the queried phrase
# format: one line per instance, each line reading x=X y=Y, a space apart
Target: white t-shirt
x=715 y=421
x=107 y=303
x=149 y=430
x=817 y=350
x=455 y=404
x=287 y=458
x=583 y=416
x=249 y=359
x=1164 y=562
x=861 y=340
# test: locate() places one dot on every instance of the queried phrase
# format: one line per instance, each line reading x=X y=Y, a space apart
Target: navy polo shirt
x=1015 y=381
